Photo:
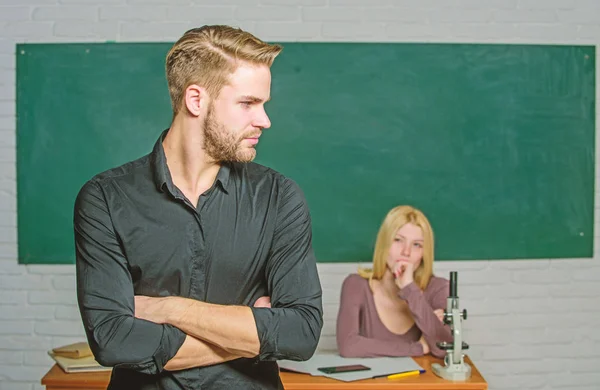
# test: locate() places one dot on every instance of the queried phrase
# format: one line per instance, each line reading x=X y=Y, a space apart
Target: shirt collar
x=162 y=176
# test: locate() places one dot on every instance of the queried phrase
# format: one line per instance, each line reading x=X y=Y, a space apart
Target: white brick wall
x=532 y=324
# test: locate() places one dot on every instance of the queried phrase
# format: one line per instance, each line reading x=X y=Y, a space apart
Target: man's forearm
x=198 y=353
x=230 y=327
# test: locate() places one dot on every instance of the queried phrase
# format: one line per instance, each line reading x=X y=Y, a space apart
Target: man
x=179 y=252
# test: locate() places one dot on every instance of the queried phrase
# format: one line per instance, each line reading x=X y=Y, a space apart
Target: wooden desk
x=57 y=379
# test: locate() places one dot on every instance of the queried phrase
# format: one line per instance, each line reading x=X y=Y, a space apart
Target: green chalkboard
x=495 y=143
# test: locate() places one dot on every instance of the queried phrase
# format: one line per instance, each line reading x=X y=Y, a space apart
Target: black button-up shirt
x=249 y=236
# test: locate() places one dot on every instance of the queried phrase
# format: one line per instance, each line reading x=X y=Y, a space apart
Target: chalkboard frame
x=388 y=91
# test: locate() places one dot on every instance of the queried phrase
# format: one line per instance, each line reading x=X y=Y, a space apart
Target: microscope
x=454 y=368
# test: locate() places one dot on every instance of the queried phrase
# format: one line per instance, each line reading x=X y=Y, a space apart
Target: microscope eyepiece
x=453 y=284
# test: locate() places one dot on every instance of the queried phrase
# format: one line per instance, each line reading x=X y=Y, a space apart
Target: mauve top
x=360 y=332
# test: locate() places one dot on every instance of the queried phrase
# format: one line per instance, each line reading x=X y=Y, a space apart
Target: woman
x=396 y=308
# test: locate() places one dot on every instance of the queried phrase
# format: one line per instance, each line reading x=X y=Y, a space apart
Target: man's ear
x=196 y=99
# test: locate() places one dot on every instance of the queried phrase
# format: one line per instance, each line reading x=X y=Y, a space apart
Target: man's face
x=235 y=119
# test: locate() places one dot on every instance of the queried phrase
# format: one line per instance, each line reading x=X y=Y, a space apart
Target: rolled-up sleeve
x=105 y=294
x=292 y=327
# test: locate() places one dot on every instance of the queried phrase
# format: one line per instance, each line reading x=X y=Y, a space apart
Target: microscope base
x=455 y=372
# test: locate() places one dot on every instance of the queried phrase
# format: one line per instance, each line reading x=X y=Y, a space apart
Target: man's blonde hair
x=206 y=56
x=394 y=220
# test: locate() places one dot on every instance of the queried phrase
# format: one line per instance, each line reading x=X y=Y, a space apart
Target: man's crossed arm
x=215 y=333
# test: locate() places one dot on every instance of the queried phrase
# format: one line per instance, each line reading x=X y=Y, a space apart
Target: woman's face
x=407 y=245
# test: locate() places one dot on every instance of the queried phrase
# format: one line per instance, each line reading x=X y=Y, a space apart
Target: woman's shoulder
x=355 y=289
x=355 y=282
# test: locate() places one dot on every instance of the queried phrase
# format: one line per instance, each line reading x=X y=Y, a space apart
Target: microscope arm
x=454 y=367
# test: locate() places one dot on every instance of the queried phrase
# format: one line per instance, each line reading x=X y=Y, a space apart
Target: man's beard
x=223 y=145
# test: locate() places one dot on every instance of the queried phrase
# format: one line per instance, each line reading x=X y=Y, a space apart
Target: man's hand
x=263 y=302
x=403 y=272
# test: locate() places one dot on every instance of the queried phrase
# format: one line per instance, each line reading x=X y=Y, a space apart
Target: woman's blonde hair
x=394 y=220
x=208 y=55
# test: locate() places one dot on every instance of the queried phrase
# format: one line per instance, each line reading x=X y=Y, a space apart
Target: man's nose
x=262 y=120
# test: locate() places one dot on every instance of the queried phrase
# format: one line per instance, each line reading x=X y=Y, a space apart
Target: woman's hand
x=424 y=344
x=403 y=272
x=440 y=314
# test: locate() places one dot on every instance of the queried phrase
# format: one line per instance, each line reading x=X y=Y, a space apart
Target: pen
x=405 y=374
x=400 y=375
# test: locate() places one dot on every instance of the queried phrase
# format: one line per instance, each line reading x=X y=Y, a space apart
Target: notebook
x=76 y=358
x=378 y=366
x=75 y=351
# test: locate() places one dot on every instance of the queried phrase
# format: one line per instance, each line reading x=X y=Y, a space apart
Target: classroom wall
x=532 y=324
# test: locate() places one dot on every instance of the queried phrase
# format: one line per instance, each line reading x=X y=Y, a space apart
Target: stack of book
x=76 y=357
